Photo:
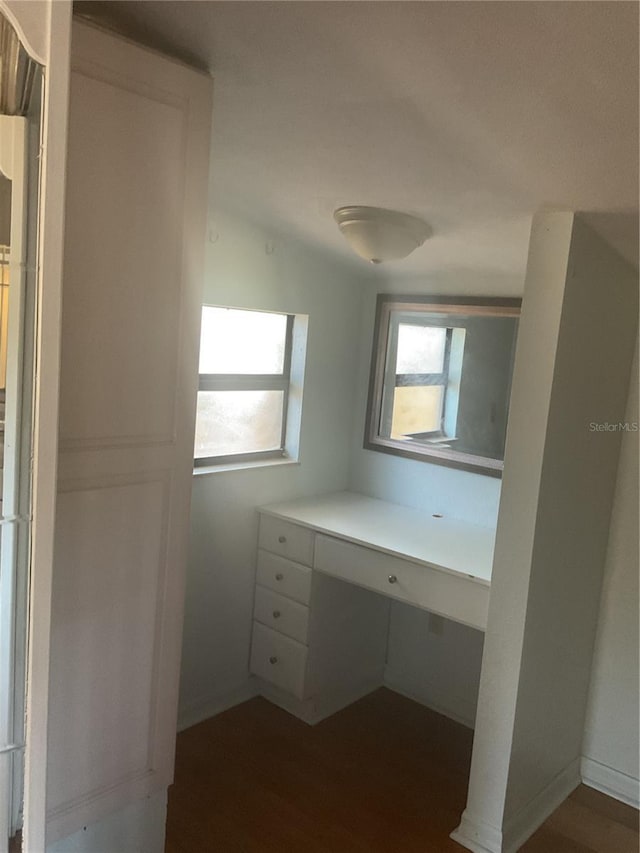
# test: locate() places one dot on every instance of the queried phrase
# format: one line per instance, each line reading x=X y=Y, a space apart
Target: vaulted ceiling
x=470 y=114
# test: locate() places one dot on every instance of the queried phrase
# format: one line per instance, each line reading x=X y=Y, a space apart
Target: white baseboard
x=481 y=837
x=202 y=710
x=141 y=822
x=525 y=822
x=462 y=713
x=316 y=709
x=610 y=781
x=477 y=836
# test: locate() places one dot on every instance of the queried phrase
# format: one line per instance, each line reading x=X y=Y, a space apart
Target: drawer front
x=286 y=539
x=456 y=597
x=278 y=659
x=282 y=614
x=283 y=576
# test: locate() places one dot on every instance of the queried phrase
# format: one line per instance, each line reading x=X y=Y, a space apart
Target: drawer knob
x=282 y=539
x=279 y=576
x=276 y=614
x=273 y=660
x=393 y=579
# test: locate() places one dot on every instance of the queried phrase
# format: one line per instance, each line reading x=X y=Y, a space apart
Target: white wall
x=435 y=661
x=485 y=384
x=611 y=747
x=577 y=488
x=296 y=279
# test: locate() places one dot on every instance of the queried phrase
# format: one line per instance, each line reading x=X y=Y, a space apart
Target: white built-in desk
x=319 y=644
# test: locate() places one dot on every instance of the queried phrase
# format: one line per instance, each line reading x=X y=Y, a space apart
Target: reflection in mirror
x=20 y=98
x=441 y=379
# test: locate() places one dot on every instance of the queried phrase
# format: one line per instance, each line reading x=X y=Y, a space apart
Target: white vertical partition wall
x=575 y=347
x=137 y=187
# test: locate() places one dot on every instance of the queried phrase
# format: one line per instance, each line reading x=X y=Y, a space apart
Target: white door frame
x=13 y=520
x=44 y=27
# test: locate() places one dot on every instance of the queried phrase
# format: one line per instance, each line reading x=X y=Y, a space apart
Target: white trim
x=197 y=712
x=15 y=477
x=477 y=835
x=225 y=467
x=481 y=837
x=610 y=781
x=45 y=437
x=139 y=826
x=315 y=709
x=525 y=822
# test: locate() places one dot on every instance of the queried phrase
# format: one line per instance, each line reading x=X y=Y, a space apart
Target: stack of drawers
x=279 y=649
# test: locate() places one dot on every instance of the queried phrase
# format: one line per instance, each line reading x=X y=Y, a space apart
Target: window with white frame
x=414 y=398
x=244 y=385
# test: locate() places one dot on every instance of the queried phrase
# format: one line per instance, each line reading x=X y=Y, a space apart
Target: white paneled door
x=138 y=154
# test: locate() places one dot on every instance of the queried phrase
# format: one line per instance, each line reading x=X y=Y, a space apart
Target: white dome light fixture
x=379 y=235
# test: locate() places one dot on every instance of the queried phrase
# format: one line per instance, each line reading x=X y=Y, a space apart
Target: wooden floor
x=385 y=775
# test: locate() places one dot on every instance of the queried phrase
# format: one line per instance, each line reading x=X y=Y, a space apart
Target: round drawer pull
x=279 y=576
x=282 y=539
x=393 y=579
x=276 y=614
x=273 y=660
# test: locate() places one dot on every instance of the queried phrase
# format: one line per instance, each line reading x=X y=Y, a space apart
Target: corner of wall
x=610 y=747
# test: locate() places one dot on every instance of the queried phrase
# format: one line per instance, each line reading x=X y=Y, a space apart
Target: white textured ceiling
x=470 y=114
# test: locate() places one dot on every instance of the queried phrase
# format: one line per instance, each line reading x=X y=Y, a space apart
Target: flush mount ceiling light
x=379 y=235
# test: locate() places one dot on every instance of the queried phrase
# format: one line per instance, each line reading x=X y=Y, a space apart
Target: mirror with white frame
x=441 y=379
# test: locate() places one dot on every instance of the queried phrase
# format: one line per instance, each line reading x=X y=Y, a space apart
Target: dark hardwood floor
x=385 y=775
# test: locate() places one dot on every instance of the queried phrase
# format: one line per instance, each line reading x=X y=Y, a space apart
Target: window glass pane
x=420 y=349
x=238 y=422
x=416 y=409
x=236 y=341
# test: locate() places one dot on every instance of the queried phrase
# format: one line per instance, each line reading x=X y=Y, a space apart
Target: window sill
x=223 y=467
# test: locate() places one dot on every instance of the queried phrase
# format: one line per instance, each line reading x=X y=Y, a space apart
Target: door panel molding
x=134 y=271
x=99 y=610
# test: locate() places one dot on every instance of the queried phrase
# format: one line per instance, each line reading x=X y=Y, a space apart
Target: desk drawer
x=286 y=539
x=278 y=659
x=282 y=614
x=283 y=576
x=455 y=596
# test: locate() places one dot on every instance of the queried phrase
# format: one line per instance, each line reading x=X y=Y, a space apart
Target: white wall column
x=574 y=354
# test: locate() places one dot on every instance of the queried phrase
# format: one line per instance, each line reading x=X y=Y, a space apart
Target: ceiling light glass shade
x=379 y=235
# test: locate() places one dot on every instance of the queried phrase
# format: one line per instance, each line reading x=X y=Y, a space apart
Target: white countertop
x=444 y=543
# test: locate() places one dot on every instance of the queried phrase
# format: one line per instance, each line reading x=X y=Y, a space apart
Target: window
x=440 y=379
x=244 y=387
x=417 y=368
